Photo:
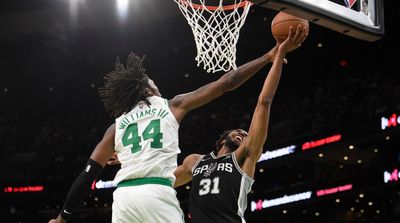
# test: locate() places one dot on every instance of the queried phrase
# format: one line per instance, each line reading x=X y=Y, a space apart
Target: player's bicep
x=183 y=173
x=259 y=127
x=183 y=103
x=253 y=146
x=105 y=148
x=183 y=176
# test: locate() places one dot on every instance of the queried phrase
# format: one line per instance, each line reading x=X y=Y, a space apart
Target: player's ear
x=149 y=91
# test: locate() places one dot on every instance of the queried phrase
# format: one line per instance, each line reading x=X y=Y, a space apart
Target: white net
x=216 y=31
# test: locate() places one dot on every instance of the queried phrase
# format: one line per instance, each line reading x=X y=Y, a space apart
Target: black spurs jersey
x=219 y=190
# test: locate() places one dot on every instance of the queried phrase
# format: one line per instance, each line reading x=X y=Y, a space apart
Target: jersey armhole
x=166 y=101
x=197 y=163
x=240 y=169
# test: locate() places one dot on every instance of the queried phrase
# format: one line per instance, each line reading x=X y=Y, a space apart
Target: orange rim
x=214 y=8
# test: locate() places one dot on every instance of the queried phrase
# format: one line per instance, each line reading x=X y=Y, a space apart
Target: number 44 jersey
x=146 y=141
x=219 y=190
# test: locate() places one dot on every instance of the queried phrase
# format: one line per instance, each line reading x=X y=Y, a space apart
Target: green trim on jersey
x=142 y=181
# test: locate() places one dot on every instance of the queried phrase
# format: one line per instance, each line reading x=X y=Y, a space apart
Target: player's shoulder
x=158 y=101
x=192 y=159
x=157 y=98
x=178 y=100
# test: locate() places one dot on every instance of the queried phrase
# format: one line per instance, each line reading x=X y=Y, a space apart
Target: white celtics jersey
x=146 y=141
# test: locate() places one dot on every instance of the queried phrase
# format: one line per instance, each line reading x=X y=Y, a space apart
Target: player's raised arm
x=183 y=103
x=250 y=150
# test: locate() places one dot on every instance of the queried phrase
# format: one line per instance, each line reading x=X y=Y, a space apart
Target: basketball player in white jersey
x=145 y=138
x=221 y=180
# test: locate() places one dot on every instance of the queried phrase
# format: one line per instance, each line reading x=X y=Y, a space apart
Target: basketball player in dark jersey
x=222 y=179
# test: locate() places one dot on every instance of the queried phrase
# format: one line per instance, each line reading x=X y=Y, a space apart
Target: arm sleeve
x=80 y=188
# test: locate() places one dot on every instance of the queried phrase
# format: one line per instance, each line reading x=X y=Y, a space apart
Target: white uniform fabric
x=146 y=141
x=149 y=203
x=148 y=162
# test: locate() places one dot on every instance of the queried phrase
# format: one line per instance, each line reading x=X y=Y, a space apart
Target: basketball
x=281 y=23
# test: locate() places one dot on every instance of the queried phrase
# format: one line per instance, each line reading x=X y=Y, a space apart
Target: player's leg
x=146 y=203
x=165 y=207
x=125 y=207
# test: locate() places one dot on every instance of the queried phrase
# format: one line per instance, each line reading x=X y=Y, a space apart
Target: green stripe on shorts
x=142 y=181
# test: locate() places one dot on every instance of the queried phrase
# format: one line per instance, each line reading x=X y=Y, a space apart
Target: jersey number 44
x=152 y=131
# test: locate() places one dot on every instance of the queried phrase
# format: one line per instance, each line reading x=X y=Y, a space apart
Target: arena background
x=333 y=150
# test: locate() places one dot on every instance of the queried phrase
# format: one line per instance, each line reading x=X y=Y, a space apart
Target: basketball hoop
x=216 y=30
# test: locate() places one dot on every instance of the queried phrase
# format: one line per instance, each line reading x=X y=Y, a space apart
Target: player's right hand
x=295 y=39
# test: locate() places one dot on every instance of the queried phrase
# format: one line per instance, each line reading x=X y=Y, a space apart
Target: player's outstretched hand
x=294 y=40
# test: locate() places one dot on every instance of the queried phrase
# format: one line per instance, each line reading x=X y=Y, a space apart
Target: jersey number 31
x=209 y=186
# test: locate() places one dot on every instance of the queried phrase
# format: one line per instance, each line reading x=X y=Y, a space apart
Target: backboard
x=361 y=19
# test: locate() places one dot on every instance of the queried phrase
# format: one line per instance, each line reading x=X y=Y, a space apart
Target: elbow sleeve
x=80 y=188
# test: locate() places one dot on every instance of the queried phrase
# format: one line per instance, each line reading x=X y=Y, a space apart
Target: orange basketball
x=281 y=23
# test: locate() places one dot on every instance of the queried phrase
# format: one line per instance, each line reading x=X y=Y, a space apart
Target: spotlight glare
x=122 y=4
x=122 y=8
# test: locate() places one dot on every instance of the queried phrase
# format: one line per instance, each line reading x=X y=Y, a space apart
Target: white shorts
x=148 y=203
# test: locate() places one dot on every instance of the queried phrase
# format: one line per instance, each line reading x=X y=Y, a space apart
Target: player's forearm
x=259 y=125
x=235 y=78
x=80 y=188
x=272 y=81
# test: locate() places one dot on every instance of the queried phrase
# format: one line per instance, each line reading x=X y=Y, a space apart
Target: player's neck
x=224 y=150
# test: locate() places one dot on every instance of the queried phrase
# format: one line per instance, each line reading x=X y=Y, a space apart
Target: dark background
x=53 y=55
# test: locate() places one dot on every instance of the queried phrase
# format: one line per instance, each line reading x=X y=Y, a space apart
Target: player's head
x=231 y=139
x=126 y=86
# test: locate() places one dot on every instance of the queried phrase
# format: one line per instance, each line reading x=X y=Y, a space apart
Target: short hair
x=221 y=138
x=125 y=86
